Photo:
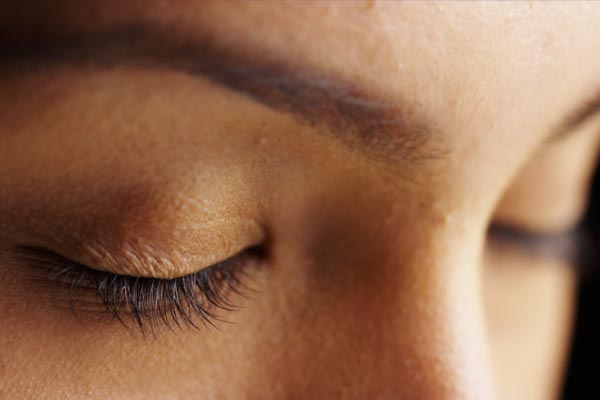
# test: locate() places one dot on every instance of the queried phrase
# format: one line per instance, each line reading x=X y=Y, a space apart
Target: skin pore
x=365 y=147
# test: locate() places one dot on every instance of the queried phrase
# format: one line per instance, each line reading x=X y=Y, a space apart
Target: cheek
x=529 y=308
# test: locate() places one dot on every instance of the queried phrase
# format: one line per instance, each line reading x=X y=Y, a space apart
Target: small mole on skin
x=261 y=141
x=369 y=4
x=447 y=218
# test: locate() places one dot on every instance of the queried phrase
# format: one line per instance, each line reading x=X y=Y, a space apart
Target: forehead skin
x=493 y=79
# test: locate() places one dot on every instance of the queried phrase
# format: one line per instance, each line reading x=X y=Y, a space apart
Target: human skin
x=379 y=278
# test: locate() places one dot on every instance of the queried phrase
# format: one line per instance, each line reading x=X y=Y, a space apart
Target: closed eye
x=571 y=246
x=149 y=303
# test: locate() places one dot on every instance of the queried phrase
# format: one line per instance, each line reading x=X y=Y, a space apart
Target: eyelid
x=160 y=253
x=37 y=254
x=136 y=253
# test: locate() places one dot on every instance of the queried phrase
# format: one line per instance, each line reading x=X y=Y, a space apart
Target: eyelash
x=576 y=247
x=150 y=303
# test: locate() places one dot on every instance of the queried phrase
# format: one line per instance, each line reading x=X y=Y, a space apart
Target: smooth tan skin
x=380 y=282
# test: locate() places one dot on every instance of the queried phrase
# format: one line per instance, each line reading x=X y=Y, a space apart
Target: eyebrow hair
x=364 y=121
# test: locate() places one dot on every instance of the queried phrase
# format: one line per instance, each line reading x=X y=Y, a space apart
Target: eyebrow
x=374 y=124
x=366 y=122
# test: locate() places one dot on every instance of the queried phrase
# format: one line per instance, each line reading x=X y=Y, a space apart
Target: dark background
x=583 y=375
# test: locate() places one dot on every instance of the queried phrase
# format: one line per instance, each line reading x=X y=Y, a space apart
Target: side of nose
x=421 y=331
x=435 y=332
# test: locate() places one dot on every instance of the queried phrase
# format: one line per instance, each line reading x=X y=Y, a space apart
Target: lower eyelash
x=149 y=302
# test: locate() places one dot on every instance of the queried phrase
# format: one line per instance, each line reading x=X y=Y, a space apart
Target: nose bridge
x=436 y=345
